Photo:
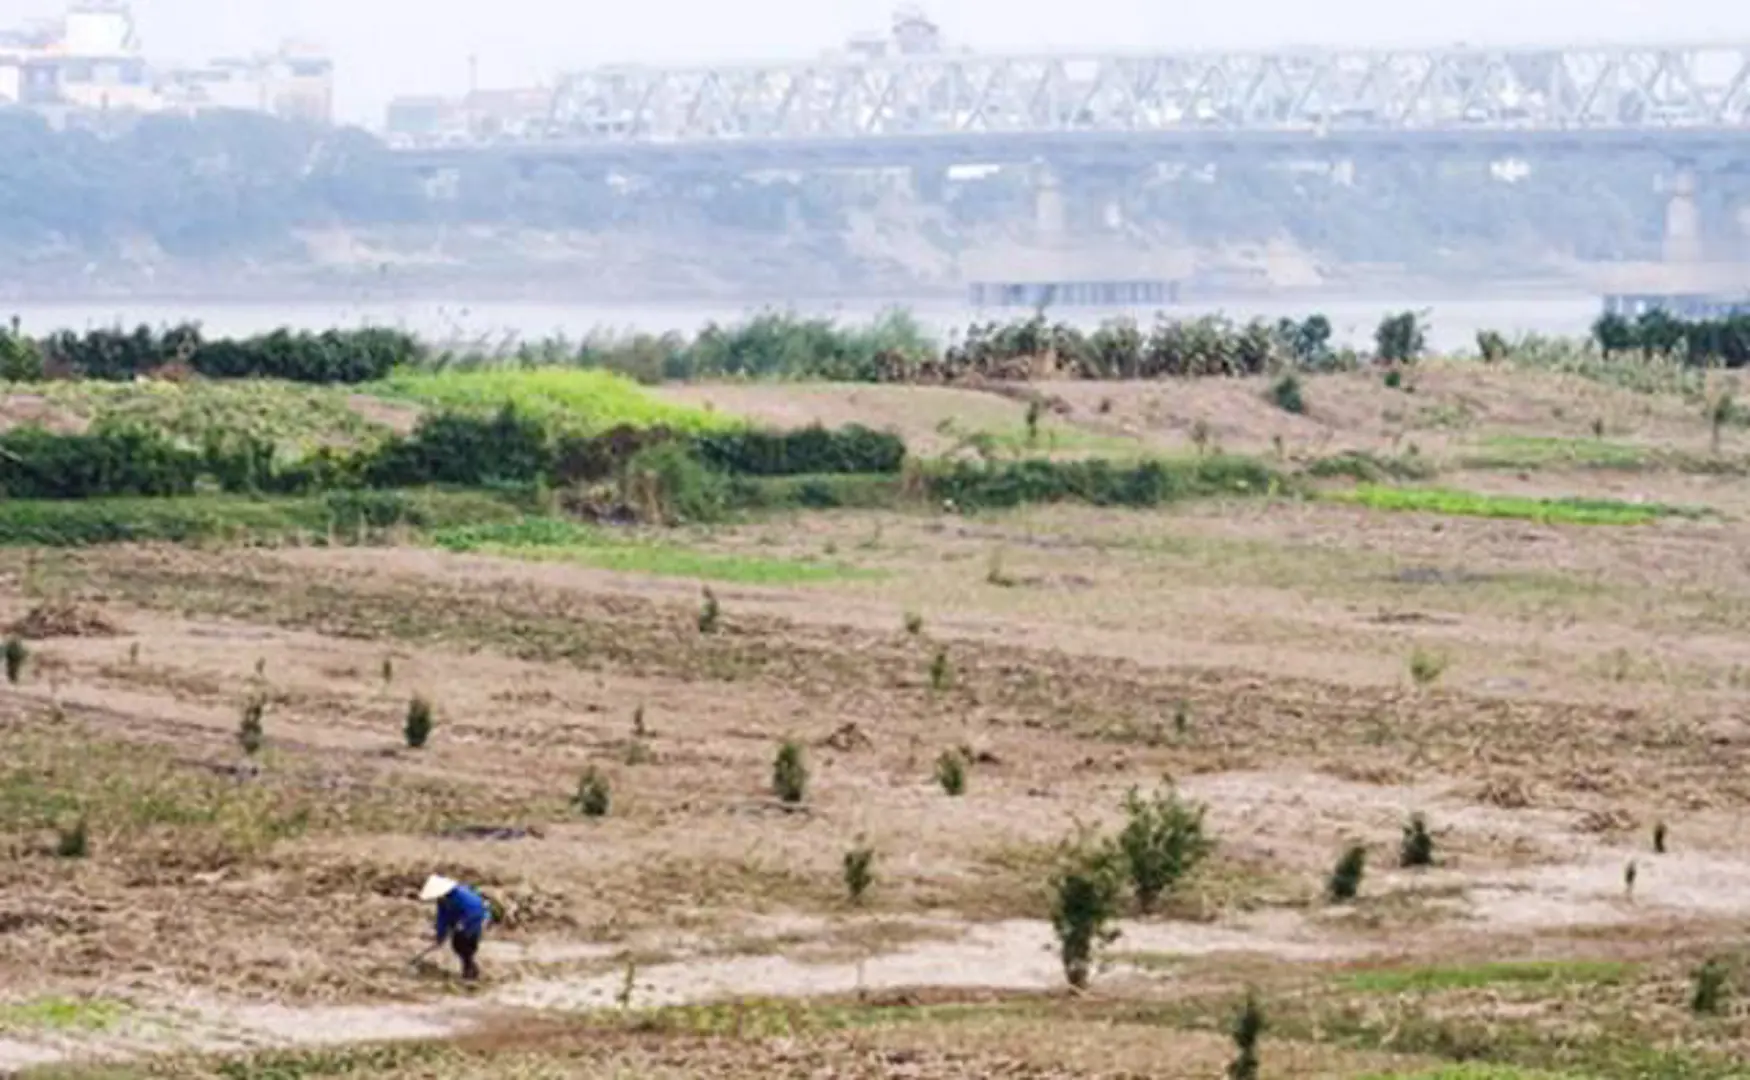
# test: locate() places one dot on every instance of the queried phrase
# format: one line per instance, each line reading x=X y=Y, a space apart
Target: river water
x=1453 y=324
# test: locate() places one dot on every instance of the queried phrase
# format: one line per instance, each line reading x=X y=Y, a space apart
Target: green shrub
x=667 y=483
x=790 y=773
x=1401 y=338
x=710 y=613
x=1287 y=394
x=249 y=729
x=1345 y=880
x=38 y=464
x=1162 y=842
x=1084 y=892
x=73 y=842
x=16 y=653
x=20 y=358
x=464 y=449
x=1417 y=847
x=914 y=623
x=1709 y=993
x=1035 y=412
x=859 y=872
x=809 y=450
x=417 y=728
x=1426 y=667
x=1248 y=1028
x=593 y=794
x=941 y=671
x=951 y=772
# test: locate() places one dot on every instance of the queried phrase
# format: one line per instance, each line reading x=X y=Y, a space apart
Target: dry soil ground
x=1587 y=684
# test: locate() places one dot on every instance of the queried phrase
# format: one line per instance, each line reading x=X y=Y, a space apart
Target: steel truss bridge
x=942 y=108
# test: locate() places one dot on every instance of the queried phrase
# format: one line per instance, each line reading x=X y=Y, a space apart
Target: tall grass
x=1566 y=511
x=566 y=399
x=1643 y=374
x=771 y=344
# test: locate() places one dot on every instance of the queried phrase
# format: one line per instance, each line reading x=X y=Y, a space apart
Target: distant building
x=476 y=117
x=910 y=34
x=295 y=82
x=90 y=61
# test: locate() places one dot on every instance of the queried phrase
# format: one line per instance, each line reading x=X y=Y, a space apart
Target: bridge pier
x=1112 y=213
x=1048 y=211
x=927 y=184
x=1683 y=218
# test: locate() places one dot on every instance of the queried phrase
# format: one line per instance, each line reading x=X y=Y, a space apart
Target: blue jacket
x=461 y=909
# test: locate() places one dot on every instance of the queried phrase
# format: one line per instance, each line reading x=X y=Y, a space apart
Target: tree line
x=1722 y=342
x=118 y=355
x=775 y=345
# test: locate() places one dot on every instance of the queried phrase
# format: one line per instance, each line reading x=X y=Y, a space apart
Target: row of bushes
x=332 y=356
x=1723 y=342
x=1100 y=483
x=343 y=516
x=672 y=487
x=455 y=449
x=892 y=348
x=685 y=490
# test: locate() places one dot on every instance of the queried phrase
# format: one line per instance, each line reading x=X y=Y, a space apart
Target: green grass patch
x=554 y=540
x=570 y=400
x=1477 y=976
x=58 y=1014
x=294 y=416
x=1565 y=511
x=343 y=516
x=1509 y=452
x=1532 y=452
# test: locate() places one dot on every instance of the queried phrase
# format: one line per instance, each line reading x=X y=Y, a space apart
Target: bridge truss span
x=1651 y=89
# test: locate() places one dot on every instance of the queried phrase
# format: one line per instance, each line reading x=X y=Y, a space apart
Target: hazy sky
x=386 y=47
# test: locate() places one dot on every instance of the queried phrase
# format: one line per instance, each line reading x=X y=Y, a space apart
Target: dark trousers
x=466 y=945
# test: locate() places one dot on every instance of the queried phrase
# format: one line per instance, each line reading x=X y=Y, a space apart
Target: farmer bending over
x=461 y=917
